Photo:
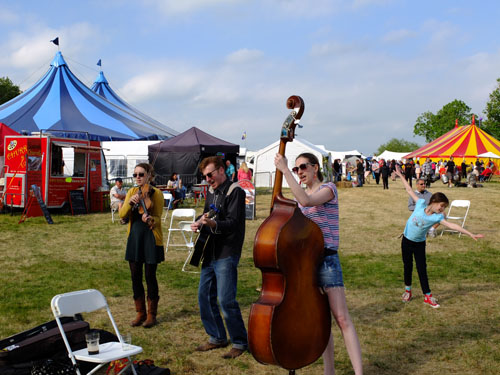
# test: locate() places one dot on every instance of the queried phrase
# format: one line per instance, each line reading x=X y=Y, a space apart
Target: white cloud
x=165 y=83
x=244 y=55
x=173 y=7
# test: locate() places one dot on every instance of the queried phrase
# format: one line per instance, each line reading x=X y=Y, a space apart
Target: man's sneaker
x=431 y=301
x=406 y=296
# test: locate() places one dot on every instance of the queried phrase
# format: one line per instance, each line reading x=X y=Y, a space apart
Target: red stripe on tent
x=462 y=149
x=480 y=147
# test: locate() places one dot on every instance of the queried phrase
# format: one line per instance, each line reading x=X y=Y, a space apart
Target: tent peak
x=100 y=78
x=58 y=60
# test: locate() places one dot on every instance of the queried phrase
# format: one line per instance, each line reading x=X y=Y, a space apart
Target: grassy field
x=462 y=337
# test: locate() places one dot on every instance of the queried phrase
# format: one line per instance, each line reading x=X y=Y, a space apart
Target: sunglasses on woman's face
x=137 y=174
x=302 y=167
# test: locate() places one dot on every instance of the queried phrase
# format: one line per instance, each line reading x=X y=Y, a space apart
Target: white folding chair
x=459 y=217
x=177 y=225
x=167 y=198
x=69 y=304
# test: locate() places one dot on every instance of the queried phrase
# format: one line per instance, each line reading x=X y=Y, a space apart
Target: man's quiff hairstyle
x=215 y=160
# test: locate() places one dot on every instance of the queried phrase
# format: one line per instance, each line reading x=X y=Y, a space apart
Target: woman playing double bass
x=319 y=202
x=143 y=206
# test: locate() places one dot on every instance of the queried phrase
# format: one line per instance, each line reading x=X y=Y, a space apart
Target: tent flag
x=99 y=63
x=55 y=41
x=244 y=135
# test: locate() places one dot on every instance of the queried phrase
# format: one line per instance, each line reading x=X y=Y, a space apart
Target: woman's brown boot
x=152 y=310
x=140 y=307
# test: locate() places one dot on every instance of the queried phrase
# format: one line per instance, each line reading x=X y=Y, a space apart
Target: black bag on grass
x=42 y=342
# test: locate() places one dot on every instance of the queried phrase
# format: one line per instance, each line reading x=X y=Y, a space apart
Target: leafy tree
x=492 y=123
x=398 y=145
x=432 y=126
x=8 y=90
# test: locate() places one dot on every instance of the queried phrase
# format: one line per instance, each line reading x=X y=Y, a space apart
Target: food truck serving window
x=68 y=159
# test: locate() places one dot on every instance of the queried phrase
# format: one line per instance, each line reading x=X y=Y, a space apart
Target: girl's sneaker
x=431 y=301
x=406 y=296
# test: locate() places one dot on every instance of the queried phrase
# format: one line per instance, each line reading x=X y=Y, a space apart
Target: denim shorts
x=330 y=272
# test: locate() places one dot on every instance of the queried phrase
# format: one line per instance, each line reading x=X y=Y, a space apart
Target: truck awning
x=79 y=146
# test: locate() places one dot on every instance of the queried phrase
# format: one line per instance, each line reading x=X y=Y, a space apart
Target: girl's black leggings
x=151 y=281
x=410 y=249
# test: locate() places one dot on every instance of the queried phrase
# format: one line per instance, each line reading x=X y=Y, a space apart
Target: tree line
x=433 y=125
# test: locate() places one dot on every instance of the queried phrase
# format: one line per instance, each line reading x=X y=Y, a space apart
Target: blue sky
x=366 y=69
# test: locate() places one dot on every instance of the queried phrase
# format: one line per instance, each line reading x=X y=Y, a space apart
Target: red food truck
x=57 y=166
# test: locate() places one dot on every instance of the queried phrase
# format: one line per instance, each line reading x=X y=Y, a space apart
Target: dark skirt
x=141 y=244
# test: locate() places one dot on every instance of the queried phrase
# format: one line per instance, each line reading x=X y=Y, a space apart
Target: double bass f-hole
x=290 y=324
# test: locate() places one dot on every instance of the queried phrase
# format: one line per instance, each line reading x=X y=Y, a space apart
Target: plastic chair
x=167 y=198
x=459 y=205
x=72 y=303
x=177 y=225
x=199 y=192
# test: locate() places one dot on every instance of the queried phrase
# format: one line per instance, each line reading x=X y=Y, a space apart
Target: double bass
x=290 y=324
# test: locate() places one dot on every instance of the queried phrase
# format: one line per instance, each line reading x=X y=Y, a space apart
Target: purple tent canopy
x=183 y=153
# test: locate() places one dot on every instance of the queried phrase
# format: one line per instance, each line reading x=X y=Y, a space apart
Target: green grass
x=38 y=260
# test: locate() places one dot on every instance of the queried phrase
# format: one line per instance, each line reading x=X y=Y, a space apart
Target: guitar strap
x=231 y=188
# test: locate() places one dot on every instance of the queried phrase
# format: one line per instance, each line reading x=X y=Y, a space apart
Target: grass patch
x=463 y=336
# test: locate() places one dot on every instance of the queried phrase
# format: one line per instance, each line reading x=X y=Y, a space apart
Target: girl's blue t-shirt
x=419 y=222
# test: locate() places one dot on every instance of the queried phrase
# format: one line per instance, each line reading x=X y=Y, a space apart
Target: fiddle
x=145 y=203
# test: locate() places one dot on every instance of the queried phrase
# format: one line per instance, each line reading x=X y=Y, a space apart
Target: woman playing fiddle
x=319 y=202
x=143 y=206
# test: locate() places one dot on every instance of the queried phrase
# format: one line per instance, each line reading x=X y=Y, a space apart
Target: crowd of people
x=450 y=173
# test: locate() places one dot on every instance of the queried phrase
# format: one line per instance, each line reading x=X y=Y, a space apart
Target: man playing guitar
x=218 y=277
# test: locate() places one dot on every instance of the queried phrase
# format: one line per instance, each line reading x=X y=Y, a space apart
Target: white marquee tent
x=389 y=155
x=263 y=160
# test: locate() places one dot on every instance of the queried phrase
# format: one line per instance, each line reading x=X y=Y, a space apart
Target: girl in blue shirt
x=413 y=242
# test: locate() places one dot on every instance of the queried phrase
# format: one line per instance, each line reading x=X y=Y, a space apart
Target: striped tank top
x=326 y=216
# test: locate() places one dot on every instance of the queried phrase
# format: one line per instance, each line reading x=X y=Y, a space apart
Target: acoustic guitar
x=203 y=239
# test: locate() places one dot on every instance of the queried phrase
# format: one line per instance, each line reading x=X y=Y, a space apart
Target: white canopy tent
x=263 y=160
x=489 y=154
x=389 y=155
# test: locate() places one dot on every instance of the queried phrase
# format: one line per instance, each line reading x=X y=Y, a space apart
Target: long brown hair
x=149 y=170
x=311 y=158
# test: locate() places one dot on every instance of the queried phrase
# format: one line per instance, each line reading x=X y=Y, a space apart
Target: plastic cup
x=127 y=341
x=92 y=339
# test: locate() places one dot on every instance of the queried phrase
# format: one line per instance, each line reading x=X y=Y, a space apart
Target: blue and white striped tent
x=62 y=105
x=102 y=87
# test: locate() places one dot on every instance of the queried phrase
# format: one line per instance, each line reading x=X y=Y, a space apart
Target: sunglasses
x=302 y=167
x=137 y=175
x=210 y=174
